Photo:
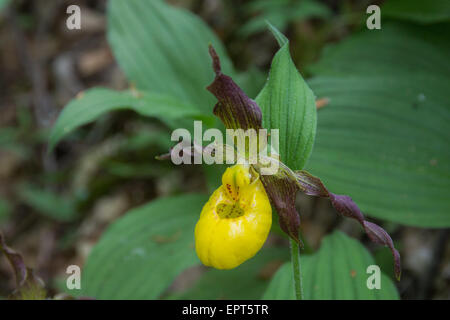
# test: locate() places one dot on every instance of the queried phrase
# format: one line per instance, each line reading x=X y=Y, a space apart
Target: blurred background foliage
x=382 y=138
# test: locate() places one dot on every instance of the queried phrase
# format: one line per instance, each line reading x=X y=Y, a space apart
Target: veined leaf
x=95 y=102
x=383 y=138
x=337 y=271
x=164 y=49
x=288 y=104
x=140 y=254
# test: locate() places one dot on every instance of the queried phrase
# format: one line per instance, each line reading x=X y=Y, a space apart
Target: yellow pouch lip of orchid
x=235 y=222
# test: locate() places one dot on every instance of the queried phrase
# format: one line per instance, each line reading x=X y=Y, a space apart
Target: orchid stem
x=295 y=259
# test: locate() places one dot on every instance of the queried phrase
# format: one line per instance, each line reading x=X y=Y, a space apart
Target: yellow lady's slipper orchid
x=235 y=222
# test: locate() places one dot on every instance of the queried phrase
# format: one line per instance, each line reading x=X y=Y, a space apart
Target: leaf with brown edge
x=347 y=207
x=28 y=285
x=234 y=107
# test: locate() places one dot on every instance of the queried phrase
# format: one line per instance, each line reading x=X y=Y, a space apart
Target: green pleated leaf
x=140 y=254
x=430 y=11
x=164 y=49
x=248 y=281
x=288 y=104
x=383 y=138
x=93 y=103
x=337 y=271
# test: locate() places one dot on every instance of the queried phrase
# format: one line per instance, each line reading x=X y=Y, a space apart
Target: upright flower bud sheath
x=235 y=222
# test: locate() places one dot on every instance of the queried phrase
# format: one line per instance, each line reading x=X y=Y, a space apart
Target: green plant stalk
x=295 y=260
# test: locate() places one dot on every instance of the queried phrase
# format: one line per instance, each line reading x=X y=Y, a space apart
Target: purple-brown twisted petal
x=345 y=206
x=282 y=192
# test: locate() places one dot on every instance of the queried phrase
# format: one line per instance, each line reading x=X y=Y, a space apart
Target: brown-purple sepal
x=282 y=192
x=234 y=107
x=347 y=207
